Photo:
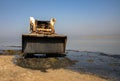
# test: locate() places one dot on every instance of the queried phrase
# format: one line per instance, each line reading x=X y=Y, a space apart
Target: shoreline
x=97 y=64
x=11 y=72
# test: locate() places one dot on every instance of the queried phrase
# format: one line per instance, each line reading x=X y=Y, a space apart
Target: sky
x=74 y=17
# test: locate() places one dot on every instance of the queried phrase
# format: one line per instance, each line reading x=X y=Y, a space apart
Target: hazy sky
x=74 y=17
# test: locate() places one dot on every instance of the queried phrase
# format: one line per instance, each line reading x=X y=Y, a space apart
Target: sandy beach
x=11 y=72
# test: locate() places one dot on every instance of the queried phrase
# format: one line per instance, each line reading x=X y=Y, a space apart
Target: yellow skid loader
x=42 y=38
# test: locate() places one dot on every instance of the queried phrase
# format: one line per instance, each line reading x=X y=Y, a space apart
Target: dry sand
x=11 y=72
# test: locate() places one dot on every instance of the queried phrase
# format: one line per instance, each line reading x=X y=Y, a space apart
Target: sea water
x=105 y=44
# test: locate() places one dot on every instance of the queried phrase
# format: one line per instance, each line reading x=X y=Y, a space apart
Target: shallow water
x=96 y=63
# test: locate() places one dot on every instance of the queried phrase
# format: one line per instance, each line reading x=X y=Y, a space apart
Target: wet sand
x=75 y=66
